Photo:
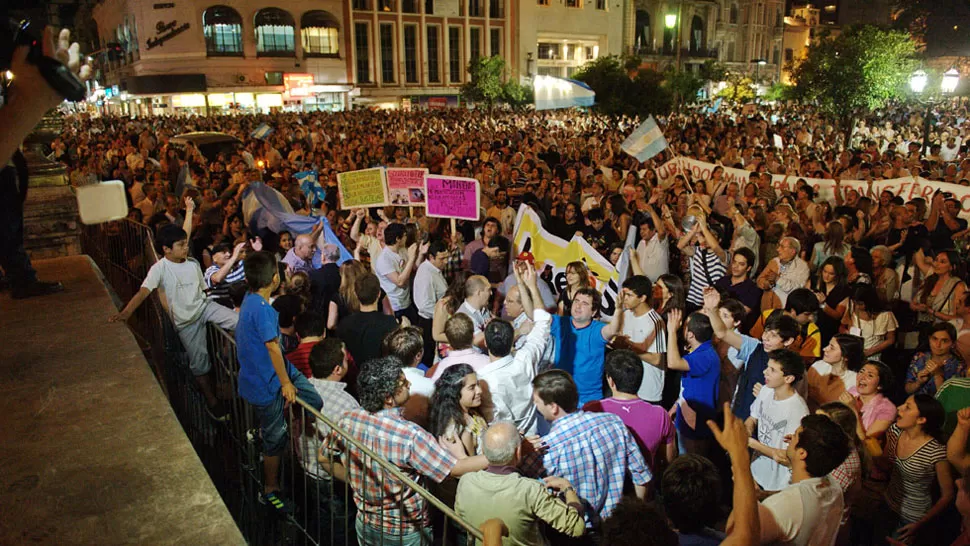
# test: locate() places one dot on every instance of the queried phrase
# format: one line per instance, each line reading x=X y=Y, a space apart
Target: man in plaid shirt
x=594 y=451
x=388 y=511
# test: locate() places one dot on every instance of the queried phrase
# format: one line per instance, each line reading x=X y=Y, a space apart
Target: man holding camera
x=28 y=97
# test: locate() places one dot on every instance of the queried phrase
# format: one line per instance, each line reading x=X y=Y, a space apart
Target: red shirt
x=300 y=357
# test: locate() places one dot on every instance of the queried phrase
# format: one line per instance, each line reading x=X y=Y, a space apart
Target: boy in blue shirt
x=699 y=383
x=266 y=380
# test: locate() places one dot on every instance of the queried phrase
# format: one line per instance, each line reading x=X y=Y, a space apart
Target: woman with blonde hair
x=346 y=301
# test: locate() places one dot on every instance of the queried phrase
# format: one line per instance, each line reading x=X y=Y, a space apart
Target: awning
x=552 y=93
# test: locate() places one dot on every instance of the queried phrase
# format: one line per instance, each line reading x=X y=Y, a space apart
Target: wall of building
x=596 y=24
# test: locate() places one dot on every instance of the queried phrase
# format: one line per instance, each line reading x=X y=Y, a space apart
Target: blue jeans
x=272 y=418
x=369 y=536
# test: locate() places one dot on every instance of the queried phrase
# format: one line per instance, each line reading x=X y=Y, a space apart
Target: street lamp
x=918 y=82
x=670 y=20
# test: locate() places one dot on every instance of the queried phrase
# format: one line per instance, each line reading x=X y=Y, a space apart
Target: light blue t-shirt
x=581 y=352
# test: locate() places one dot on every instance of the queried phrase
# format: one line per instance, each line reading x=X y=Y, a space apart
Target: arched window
x=696 y=34
x=643 y=35
x=734 y=14
x=274 y=33
x=320 y=34
x=222 y=28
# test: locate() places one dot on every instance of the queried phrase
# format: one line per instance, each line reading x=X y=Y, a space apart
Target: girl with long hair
x=832 y=245
x=943 y=287
x=455 y=415
x=577 y=277
x=917 y=458
x=868 y=317
x=836 y=372
x=618 y=216
x=833 y=292
x=670 y=293
x=346 y=301
x=858 y=262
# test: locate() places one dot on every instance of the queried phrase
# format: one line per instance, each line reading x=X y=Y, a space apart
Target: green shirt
x=954 y=394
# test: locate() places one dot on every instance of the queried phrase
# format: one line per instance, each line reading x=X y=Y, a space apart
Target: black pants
x=13 y=257
x=429 y=344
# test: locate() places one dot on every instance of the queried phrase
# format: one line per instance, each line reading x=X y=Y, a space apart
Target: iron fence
x=231 y=451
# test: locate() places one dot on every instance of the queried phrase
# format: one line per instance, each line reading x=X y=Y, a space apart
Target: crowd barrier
x=231 y=451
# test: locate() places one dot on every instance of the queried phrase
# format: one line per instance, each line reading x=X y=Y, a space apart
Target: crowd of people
x=794 y=362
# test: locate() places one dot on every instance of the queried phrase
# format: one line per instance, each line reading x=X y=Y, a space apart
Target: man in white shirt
x=645 y=334
x=477 y=293
x=775 y=414
x=394 y=267
x=429 y=287
x=786 y=272
x=505 y=397
x=653 y=254
x=808 y=512
x=460 y=331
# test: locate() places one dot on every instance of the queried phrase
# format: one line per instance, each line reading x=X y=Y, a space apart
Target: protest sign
x=452 y=197
x=405 y=187
x=365 y=188
x=555 y=253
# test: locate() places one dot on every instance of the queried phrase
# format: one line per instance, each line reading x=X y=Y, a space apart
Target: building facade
x=803 y=28
x=744 y=35
x=557 y=37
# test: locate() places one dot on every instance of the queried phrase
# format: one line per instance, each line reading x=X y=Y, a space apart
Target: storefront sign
x=452 y=197
x=165 y=32
x=297 y=85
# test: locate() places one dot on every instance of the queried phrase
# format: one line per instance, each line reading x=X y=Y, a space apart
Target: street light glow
x=950 y=80
x=917 y=82
x=670 y=20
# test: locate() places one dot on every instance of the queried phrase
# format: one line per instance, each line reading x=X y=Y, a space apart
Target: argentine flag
x=646 y=141
x=262 y=131
x=310 y=184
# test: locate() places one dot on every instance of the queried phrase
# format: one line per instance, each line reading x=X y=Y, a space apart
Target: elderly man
x=786 y=272
x=325 y=282
x=521 y=503
x=884 y=276
x=300 y=257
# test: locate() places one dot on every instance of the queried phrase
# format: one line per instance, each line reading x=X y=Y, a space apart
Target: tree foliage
x=856 y=71
x=740 y=88
x=683 y=85
x=486 y=85
x=617 y=93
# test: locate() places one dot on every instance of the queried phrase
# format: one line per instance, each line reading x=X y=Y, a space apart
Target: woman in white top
x=828 y=378
x=868 y=318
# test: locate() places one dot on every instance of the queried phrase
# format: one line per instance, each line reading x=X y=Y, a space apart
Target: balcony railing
x=696 y=53
x=231 y=453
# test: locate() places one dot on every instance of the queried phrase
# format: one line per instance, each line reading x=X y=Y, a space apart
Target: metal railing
x=231 y=452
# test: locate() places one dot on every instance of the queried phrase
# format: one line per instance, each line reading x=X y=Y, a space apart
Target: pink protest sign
x=406 y=186
x=452 y=197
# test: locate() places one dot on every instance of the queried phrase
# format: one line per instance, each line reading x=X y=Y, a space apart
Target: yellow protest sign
x=364 y=188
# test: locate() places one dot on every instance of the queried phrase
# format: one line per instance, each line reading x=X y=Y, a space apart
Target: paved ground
x=92 y=453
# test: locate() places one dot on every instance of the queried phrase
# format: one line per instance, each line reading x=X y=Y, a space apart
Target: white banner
x=908 y=187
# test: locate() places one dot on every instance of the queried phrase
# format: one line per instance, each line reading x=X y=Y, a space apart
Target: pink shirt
x=879 y=408
x=473 y=357
x=650 y=424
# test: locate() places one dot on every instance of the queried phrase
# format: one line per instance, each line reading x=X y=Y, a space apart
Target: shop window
x=320 y=33
x=275 y=31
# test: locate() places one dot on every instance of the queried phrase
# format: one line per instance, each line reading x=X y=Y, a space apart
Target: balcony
x=685 y=53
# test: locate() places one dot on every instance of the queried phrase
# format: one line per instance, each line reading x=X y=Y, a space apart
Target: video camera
x=17 y=33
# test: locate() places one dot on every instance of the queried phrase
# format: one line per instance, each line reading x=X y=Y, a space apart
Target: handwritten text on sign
x=406 y=186
x=452 y=197
x=364 y=188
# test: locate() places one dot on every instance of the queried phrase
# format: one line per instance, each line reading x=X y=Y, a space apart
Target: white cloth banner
x=908 y=187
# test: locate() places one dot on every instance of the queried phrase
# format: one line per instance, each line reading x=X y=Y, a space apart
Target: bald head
x=500 y=443
x=303 y=246
x=477 y=291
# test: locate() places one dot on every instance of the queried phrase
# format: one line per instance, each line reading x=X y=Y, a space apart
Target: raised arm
x=712 y=299
x=746 y=528
x=674 y=360
x=956 y=447
x=616 y=325
x=187 y=224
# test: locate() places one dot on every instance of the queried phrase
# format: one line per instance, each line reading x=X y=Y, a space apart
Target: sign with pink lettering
x=452 y=197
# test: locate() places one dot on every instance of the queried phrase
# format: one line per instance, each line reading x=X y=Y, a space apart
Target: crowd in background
x=833 y=331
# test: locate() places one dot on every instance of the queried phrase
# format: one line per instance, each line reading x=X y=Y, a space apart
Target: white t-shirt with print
x=638 y=329
x=182 y=283
x=808 y=513
x=776 y=419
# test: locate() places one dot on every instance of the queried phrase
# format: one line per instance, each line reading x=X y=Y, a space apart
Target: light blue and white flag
x=646 y=141
x=310 y=184
x=712 y=109
x=265 y=208
x=262 y=131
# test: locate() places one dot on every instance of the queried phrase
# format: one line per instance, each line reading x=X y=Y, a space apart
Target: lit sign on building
x=298 y=85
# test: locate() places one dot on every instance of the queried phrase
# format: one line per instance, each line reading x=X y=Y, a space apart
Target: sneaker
x=219 y=412
x=36 y=288
x=276 y=501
